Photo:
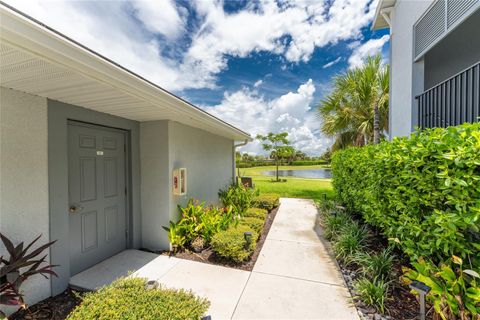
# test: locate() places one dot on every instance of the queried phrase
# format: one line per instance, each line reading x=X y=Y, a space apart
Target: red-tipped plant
x=18 y=267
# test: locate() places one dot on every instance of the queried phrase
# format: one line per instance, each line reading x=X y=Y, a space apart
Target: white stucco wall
x=24 y=176
x=406 y=77
x=165 y=146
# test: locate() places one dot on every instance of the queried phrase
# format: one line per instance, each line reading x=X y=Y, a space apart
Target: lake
x=308 y=173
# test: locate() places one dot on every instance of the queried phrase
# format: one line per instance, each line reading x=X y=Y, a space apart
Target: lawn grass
x=294 y=187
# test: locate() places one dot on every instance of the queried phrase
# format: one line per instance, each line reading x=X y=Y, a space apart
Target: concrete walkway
x=293 y=278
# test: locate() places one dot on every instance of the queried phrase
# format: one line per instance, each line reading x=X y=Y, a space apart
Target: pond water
x=308 y=173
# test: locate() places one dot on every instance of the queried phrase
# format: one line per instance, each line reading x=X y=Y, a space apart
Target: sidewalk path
x=295 y=277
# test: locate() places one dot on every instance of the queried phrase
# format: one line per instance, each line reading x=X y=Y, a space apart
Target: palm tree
x=356 y=111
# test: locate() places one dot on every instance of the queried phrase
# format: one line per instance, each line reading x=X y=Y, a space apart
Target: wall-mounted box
x=180 y=181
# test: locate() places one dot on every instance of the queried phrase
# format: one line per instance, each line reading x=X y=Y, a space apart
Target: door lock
x=75 y=208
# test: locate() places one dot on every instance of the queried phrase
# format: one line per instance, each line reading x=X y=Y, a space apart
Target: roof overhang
x=38 y=60
x=381 y=19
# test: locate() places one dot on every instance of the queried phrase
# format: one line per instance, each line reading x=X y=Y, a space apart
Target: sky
x=262 y=66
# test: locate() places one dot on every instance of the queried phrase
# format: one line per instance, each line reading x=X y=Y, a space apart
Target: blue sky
x=260 y=65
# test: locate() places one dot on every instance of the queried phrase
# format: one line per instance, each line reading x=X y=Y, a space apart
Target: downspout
x=234 y=164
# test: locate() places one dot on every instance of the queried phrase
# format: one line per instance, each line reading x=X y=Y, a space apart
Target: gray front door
x=97 y=194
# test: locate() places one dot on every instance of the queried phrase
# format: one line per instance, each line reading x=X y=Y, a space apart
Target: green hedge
x=129 y=299
x=254 y=223
x=422 y=191
x=267 y=201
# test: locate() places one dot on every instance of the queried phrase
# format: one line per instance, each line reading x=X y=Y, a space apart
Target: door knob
x=75 y=208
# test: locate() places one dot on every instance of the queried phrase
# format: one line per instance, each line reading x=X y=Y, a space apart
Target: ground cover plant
x=423 y=193
x=233 y=244
x=130 y=299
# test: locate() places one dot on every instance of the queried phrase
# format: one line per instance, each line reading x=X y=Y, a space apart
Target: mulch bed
x=53 y=308
x=209 y=256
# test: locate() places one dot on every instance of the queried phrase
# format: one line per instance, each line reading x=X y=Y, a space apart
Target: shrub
x=377 y=265
x=266 y=201
x=256 y=213
x=350 y=240
x=129 y=299
x=422 y=191
x=373 y=293
x=255 y=223
x=231 y=243
x=238 y=196
x=455 y=292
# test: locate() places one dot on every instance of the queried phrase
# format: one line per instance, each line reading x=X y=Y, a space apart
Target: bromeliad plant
x=21 y=264
x=455 y=291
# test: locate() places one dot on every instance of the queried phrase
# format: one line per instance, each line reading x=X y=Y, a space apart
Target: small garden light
x=422 y=290
x=152 y=284
x=248 y=237
x=324 y=196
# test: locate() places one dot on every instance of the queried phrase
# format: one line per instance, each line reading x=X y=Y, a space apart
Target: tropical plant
x=373 y=292
x=22 y=263
x=175 y=235
x=238 y=197
x=356 y=111
x=375 y=265
x=455 y=291
x=198 y=220
x=278 y=145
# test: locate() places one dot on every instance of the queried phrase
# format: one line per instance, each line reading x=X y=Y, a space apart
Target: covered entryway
x=97 y=194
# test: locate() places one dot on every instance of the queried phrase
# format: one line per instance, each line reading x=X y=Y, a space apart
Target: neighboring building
x=88 y=150
x=434 y=59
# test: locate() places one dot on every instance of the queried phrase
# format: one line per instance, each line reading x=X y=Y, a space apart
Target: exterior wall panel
x=24 y=207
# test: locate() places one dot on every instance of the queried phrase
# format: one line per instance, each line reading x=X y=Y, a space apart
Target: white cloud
x=258 y=83
x=290 y=112
x=136 y=34
x=331 y=63
x=369 y=48
x=160 y=17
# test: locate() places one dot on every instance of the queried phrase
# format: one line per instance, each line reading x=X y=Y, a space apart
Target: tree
x=278 y=145
x=356 y=111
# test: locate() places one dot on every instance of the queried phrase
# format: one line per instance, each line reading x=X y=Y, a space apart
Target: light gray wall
x=456 y=52
x=24 y=177
x=165 y=146
x=404 y=75
x=208 y=159
x=156 y=183
x=58 y=115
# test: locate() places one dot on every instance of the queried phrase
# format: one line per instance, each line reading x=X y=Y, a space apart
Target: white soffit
x=379 y=21
x=37 y=60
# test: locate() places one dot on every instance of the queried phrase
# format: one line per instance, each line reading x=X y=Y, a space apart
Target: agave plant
x=18 y=267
